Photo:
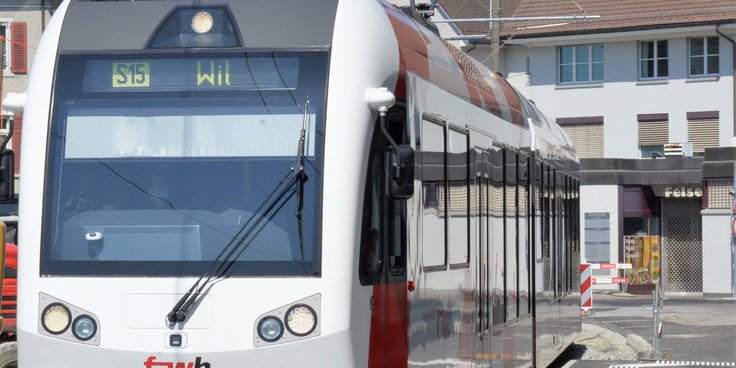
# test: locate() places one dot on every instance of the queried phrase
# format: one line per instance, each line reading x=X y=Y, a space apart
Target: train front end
x=176 y=163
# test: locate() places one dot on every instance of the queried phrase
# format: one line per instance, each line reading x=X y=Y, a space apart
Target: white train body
x=173 y=172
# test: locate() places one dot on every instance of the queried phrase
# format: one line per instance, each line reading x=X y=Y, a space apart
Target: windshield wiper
x=301 y=177
x=251 y=228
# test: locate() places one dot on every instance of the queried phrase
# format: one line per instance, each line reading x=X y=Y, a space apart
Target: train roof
x=425 y=54
x=90 y=25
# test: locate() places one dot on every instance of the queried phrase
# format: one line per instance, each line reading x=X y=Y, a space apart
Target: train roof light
x=210 y=27
x=202 y=22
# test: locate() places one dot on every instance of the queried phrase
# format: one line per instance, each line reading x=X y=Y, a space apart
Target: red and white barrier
x=586 y=286
x=610 y=266
x=587 y=281
x=609 y=280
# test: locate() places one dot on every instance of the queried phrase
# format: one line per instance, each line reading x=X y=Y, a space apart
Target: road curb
x=635 y=341
x=638 y=343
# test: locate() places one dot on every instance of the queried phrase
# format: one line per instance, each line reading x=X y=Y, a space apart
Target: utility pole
x=495 y=36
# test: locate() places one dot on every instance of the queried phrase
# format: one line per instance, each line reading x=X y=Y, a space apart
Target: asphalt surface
x=696 y=332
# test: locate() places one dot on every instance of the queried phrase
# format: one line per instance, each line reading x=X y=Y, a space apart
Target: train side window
x=434 y=204
x=546 y=228
x=559 y=245
x=574 y=224
x=523 y=234
x=383 y=229
x=571 y=218
x=458 y=180
x=511 y=231
x=569 y=243
x=538 y=183
x=564 y=233
x=554 y=232
x=497 y=251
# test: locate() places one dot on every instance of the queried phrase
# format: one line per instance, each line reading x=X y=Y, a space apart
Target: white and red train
x=286 y=183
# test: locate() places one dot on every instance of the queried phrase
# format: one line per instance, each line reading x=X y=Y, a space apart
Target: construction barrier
x=587 y=281
x=586 y=286
x=610 y=266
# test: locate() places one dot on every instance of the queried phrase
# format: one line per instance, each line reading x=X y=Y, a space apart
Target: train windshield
x=157 y=162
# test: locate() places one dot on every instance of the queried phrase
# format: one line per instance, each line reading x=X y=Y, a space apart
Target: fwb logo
x=197 y=363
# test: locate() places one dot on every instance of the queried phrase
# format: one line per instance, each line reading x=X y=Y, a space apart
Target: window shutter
x=15 y=141
x=702 y=134
x=18 y=39
x=587 y=138
x=652 y=133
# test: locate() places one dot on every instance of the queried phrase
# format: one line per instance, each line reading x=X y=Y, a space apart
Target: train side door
x=559 y=248
x=383 y=252
x=482 y=236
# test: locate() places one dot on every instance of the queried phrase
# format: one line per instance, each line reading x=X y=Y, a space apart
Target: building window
x=5 y=127
x=704 y=56
x=581 y=63
x=653 y=134
x=653 y=60
x=586 y=134
x=703 y=130
x=5 y=45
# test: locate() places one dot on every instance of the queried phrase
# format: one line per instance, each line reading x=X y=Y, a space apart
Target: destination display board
x=191 y=74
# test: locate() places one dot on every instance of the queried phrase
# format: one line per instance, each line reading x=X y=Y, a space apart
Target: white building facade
x=619 y=85
x=623 y=96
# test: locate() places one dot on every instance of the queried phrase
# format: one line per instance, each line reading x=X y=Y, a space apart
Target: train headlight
x=84 y=327
x=270 y=329
x=56 y=318
x=301 y=320
x=295 y=321
x=62 y=320
x=202 y=22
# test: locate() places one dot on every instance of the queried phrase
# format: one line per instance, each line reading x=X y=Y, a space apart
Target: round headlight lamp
x=202 y=22
x=56 y=318
x=84 y=327
x=301 y=320
x=270 y=329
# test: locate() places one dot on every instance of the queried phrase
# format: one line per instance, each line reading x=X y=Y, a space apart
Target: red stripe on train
x=389 y=340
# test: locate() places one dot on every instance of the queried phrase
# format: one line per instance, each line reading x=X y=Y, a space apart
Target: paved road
x=694 y=330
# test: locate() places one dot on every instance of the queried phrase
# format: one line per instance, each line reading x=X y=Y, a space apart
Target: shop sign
x=682 y=192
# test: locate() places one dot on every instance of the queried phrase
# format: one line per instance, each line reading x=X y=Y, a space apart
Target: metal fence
x=682 y=247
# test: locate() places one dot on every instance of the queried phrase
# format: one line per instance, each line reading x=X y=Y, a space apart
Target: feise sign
x=682 y=192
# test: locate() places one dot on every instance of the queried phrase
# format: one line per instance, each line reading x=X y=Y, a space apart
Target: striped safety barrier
x=611 y=266
x=586 y=286
x=587 y=281
x=610 y=280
